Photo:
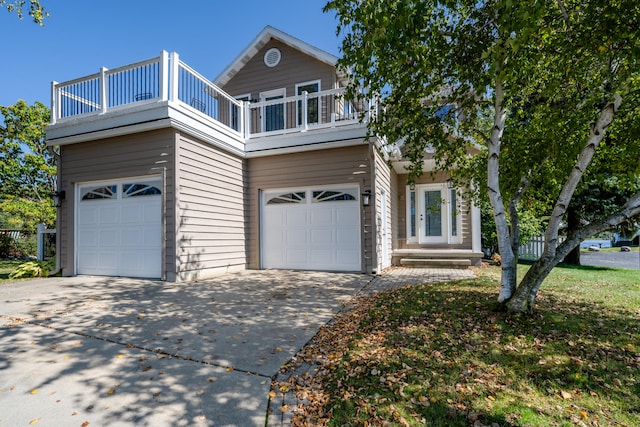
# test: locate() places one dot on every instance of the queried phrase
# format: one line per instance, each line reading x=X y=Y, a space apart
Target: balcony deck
x=163 y=91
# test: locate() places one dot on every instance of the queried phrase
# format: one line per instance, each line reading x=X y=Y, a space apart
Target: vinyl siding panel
x=383 y=181
x=294 y=67
x=349 y=165
x=401 y=229
x=210 y=235
x=140 y=154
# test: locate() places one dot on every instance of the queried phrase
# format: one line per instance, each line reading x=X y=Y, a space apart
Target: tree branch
x=596 y=135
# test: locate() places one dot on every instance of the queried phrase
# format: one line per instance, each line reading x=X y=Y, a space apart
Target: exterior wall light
x=58 y=197
x=449 y=183
x=366 y=198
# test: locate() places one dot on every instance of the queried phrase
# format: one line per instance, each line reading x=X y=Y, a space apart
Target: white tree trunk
x=524 y=296
x=508 y=278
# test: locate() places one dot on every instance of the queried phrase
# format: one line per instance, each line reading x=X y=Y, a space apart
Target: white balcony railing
x=166 y=78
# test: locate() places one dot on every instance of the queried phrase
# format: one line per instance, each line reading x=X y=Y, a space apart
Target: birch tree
x=538 y=85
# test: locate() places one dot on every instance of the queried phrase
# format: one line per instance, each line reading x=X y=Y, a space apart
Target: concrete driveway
x=96 y=351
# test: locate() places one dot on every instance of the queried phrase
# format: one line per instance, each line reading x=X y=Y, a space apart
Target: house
x=169 y=175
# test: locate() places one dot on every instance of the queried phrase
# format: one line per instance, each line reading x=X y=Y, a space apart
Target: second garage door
x=311 y=229
x=119 y=228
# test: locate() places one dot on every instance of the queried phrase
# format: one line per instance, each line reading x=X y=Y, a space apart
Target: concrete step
x=435 y=262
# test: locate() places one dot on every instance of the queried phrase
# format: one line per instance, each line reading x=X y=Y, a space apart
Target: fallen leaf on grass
x=565 y=395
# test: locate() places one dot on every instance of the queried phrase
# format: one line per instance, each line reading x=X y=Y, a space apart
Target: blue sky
x=81 y=36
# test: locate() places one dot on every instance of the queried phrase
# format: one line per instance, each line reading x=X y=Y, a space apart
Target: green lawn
x=440 y=355
x=6 y=267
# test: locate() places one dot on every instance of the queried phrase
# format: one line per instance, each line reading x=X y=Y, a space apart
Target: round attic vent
x=272 y=57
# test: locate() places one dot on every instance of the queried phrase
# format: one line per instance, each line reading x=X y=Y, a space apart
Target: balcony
x=166 y=88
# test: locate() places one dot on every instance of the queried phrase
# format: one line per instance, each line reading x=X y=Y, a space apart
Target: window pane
x=432 y=211
x=106 y=192
x=331 y=196
x=413 y=213
x=135 y=190
x=312 y=103
x=298 y=197
x=454 y=213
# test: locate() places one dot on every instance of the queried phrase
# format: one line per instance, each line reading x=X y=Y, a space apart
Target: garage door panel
x=348 y=257
x=348 y=238
x=309 y=233
x=88 y=238
x=295 y=216
x=108 y=213
x=345 y=216
x=297 y=238
x=87 y=216
x=321 y=216
x=119 y=234
x=322 y=237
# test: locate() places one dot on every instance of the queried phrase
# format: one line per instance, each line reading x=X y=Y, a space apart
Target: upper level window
x=312 y=102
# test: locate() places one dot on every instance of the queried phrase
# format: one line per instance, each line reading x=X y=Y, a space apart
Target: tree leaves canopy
x=36 y=10
x=27 y=166
x=534 y=85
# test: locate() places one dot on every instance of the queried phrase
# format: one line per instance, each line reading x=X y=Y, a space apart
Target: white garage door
x=119 y=228
x=311 y=229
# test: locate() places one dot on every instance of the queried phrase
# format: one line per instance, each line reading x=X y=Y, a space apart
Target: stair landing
x=436 y=258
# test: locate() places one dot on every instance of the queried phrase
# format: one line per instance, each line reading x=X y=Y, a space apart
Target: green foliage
x=32 y=269
x=27 y=166
x=36 y=10
x=524 y=83
x=24 y=246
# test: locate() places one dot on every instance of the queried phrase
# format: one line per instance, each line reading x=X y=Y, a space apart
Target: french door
x=432 y=215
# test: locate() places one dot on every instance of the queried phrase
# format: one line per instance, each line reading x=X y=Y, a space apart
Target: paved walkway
x=391 y=278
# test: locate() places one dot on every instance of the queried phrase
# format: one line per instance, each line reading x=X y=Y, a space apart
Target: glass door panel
x=432 y=213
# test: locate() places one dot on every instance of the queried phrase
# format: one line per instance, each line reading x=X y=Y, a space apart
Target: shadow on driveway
x=123 y=352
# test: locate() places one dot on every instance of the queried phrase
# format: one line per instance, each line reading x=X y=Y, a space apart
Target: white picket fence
x=532 y=250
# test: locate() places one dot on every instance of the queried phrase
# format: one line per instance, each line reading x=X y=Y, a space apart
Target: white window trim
x=448 y=239
x=298 y=112
x=238 y=97
x=270 y=94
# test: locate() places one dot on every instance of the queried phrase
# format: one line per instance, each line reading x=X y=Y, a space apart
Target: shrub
x=32 y=269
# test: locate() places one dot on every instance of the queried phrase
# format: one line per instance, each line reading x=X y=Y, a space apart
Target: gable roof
x=263 y=38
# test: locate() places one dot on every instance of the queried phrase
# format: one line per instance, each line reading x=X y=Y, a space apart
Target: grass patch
x=440 y=355
x=6 y=268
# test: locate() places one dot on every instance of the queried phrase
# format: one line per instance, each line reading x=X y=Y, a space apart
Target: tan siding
x=138 y=154
x=349 y=165
x=383 y=182
x=211 y=229
x=294 y=67
x=402 y=213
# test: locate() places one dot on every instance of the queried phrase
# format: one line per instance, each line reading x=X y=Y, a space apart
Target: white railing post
x=104 y=101
x=246 y=119
x=40 y=251
x=305 y=108
x=55 y=105
x=173 y=77
x=164 y=75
